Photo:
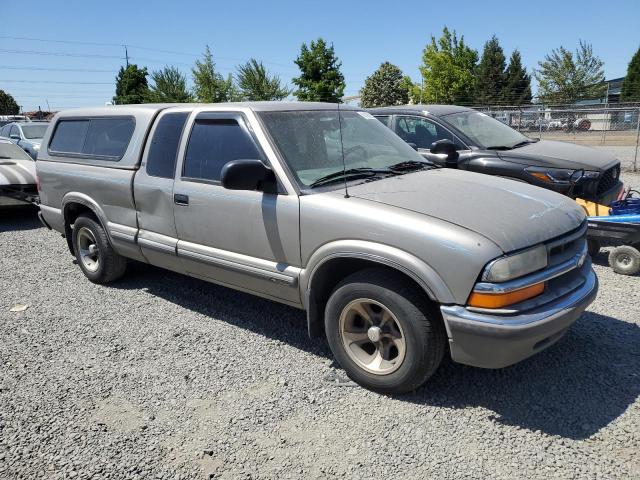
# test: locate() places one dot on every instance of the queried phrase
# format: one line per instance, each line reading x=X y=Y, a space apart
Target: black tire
x=110 y=265
x=625 y=260
x=593 y=246
x=420 y=321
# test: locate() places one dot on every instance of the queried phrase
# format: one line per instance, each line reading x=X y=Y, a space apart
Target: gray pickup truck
x=325 y=209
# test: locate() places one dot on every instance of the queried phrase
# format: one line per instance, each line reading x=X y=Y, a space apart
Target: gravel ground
x=163 y=376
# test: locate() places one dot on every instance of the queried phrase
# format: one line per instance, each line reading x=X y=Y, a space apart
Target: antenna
x=344 y=163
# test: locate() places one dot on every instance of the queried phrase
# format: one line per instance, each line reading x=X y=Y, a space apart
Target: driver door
x=248 y=240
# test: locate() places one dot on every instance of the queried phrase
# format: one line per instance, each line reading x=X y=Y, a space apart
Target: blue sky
x=364 y=33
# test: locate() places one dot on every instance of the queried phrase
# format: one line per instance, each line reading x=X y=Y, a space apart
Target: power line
x=60 y=54
x=138 y=47
x=56 y=82
x=52 y=69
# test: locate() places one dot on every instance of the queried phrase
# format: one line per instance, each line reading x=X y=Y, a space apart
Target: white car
x=17 y=175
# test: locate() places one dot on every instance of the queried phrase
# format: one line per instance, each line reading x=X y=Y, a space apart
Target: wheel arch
x=331 y=264
x=74 y=205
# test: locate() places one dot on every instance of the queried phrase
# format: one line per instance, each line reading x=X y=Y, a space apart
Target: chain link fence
x=616 y=129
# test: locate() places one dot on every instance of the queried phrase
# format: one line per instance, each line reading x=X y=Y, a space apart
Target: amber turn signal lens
x=541 y=176
x=499 y=300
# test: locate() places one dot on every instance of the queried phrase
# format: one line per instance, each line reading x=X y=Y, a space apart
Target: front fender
x=392 y=257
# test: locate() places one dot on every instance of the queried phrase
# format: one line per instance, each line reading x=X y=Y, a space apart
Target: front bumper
x=497 y=341
x=610 y=195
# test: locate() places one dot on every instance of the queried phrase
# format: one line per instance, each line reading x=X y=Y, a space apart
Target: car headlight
x=517 y=265
x=561 y=175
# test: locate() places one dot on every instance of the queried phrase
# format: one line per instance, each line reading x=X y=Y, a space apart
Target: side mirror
x=447 y=149
x=248 y=175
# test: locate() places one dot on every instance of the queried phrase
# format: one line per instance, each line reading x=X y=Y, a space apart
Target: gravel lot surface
x=163 y=376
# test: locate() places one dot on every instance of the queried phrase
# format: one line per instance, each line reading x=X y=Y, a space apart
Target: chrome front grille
x=567 y=246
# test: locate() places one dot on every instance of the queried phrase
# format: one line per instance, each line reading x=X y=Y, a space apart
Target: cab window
x=161 y=160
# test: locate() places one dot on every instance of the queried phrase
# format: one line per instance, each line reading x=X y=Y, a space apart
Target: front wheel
x=98 y=260
x=384 y=332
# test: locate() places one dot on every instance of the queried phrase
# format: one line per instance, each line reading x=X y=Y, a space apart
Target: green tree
x=631 y=85
x=255 y=83
x=8 y=104
x=566 y=78
x=491 y=76
x=320 y=78
x=386 y=86
x=131 y=85
x=209 y=86
x=448 y=70
x=169 y=86
x=413 y=89
x=517 y=88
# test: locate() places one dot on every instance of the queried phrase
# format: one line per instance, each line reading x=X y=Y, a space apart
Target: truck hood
x=17 y=172
x=552 y=154
x=511 y=214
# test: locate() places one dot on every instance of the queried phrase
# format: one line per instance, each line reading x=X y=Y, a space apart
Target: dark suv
x=463 y=138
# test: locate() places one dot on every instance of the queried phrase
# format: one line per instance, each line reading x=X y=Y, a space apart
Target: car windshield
x=34 y=131
x=485 y=131
x=311 y=144
x=9 y=151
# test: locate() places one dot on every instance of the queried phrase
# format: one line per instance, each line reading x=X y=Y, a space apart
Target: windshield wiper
x=350 y=173
x=410 y=165
x=525 y=142
x=511 y=147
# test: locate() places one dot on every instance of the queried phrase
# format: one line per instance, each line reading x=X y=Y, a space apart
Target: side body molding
x=393 y=257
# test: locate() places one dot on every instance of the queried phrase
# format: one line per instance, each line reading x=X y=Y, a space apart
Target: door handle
x=180 y=199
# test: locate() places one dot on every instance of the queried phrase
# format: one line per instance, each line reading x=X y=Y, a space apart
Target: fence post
x=635 y=157
x=540 y=114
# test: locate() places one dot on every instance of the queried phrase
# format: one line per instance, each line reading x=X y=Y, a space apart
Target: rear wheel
x=625 y=260
x=384 y=332
x=97 y=259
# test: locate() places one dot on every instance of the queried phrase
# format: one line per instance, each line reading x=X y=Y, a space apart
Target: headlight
x=518 y=265
x=551 y=175
x=560 y=175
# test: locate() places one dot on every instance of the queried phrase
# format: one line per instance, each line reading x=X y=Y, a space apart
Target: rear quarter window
x=101 y=138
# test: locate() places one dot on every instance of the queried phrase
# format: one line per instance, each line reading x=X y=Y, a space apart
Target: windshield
x=10 y=151
x=310 y=143
x=485 y=131
x=34 y=131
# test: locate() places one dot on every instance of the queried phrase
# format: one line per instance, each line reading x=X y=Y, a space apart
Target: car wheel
x=384 y=332
x=98 y=260
x=625 y=260
x=593 y=247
